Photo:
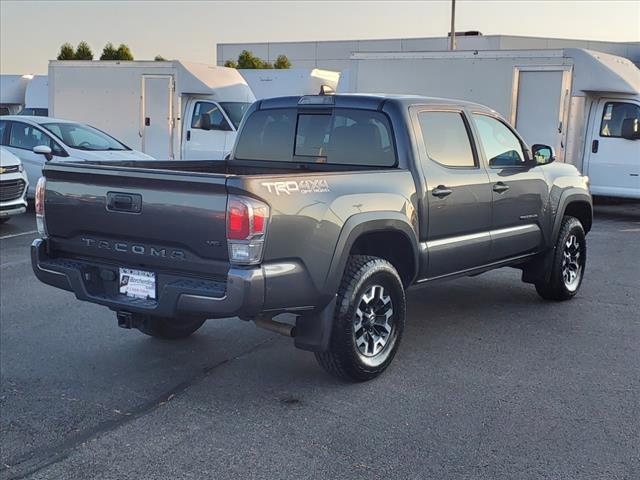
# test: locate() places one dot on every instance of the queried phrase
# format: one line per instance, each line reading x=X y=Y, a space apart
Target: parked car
x=13 y=186
x=328 y=208
x=37 y=139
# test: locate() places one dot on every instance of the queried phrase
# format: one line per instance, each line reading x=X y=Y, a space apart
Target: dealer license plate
x=137 y=283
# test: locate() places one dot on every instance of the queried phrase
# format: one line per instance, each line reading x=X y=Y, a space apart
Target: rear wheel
x=168 y=328
x=368 y=321
x=569 y=261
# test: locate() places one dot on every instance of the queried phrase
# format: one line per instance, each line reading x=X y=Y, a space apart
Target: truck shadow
x=605 y=208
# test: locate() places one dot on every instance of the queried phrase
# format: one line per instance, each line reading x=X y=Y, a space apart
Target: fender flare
x=567 y=197
x=313 y=330
x=541 y=268
x=362 y=223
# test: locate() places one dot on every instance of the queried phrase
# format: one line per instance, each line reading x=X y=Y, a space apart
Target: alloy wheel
x=373 y=323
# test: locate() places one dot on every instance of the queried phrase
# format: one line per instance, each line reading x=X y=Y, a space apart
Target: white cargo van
x=169 y=110
x=575 y=100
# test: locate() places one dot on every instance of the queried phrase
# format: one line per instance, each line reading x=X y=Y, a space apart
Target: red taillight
x=247 y=220
x=258 y=222
x=238 y=225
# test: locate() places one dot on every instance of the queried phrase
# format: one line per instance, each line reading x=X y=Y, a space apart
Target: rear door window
x=446 y=139
x=342 y=136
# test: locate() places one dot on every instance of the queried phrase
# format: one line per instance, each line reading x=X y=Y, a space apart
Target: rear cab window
x=337 y=136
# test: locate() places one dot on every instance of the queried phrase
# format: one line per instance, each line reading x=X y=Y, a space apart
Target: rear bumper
x=240 y=294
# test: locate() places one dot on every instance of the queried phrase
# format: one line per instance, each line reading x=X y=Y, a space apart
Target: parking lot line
x=18 y=234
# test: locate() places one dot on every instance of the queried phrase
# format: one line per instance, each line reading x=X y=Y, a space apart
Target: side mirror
x=630 y=129
x=205 y=121
x=43 y=150
x=543 y=154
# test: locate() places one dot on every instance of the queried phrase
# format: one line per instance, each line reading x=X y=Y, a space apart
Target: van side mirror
x=630 y=129
x=543 y=154
x=205 y=121
x=43 y=150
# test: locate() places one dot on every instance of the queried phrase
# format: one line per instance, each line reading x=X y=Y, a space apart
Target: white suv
x=13 y=186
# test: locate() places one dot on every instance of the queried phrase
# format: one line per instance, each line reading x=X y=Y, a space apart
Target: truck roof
x=369 y=101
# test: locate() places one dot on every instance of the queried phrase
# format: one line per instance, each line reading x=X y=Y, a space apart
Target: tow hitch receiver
x=127 y=320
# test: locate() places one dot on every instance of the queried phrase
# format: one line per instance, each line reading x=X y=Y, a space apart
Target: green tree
x=231 y=64
x=66 y=52
x=109 y=52
x=248 y=60
x=124 y=53
x=282 y=62
x=83 y=51
x=160 y=58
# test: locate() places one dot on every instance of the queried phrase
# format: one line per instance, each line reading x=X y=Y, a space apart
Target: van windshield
x=340 y=137
x=235 y=111
x=84 y=137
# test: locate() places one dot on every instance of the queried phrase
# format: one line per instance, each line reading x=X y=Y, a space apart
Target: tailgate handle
x=124 y=202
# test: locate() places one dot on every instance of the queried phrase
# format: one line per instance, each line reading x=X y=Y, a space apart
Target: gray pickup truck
x=328 y=208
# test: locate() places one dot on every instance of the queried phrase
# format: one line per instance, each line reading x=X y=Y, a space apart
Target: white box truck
x=12 y=89
x=36 y=97
x=269 y=83
x=170 y=110
x=575 y=100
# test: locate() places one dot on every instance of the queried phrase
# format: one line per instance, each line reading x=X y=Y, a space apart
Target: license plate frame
x=135 y=283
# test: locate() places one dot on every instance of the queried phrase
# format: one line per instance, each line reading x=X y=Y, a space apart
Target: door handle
x=188 y=135
x=500 y=187
x=147 y=121
x=441 y=191
x=594 y=146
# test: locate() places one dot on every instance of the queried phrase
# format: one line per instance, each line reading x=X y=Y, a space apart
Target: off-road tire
x=343 y=359
x=168 y=328
x=554 y=286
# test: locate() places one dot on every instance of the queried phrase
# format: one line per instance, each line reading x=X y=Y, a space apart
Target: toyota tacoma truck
x=328 y=208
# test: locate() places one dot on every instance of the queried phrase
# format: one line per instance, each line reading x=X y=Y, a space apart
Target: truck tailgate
x=153 y=219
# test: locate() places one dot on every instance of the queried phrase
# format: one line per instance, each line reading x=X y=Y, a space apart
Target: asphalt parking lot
x=490 y=382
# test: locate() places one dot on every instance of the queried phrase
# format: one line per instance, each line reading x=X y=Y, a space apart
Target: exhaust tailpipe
x=279 y=327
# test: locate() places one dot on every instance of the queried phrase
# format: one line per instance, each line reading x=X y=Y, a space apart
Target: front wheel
x=168 y=328
x=368 y=321
x=568 y=265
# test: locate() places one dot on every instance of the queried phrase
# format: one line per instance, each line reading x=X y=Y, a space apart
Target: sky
x=31 y=32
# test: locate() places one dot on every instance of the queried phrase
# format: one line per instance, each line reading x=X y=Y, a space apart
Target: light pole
x=452 y=40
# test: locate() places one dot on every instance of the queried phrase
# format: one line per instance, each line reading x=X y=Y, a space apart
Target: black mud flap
x=538 y=269
x=313 y=330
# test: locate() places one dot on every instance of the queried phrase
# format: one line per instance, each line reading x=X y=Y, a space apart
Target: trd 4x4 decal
x=292 y=187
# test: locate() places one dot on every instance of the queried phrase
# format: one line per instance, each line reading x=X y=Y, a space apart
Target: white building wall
x=334 y=55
